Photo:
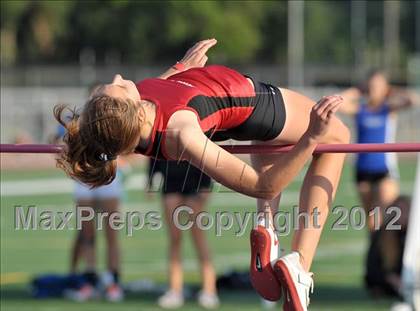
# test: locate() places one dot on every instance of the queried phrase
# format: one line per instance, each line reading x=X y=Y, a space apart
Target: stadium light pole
x=358 y=37
x=296 y=44
x=391 y=35
x=417 y=21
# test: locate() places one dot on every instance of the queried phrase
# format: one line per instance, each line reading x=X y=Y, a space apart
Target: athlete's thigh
x=388 y=190
x=109 y=205
x=88 y=229
x=298 y=109
x=172 y=201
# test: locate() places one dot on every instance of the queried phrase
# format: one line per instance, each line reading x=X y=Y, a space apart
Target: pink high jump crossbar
x=246 y=149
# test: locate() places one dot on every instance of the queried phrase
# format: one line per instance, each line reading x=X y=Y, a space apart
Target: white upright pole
x=411 y=260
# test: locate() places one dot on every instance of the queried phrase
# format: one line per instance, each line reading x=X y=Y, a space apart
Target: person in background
x=385 y=255
x=374 y=108
x=184 y=185
x=102 y=199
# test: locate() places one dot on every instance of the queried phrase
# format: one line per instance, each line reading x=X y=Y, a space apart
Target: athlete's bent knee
x=265 y=189
x=340 y=133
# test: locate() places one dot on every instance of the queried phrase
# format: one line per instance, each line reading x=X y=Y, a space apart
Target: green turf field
x=338 y=266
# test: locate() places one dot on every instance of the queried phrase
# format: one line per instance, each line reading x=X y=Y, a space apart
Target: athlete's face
x=124 y=89
x=378 y=88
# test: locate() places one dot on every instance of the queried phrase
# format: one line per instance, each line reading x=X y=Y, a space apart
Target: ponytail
x=93 y=140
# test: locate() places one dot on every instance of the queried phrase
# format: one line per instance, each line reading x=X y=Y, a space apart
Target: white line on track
x=44 y=186
x=48 y=186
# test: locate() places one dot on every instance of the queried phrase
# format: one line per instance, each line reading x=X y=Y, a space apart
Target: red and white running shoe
x=295 y=282
x=114 y=293
x=264 y=254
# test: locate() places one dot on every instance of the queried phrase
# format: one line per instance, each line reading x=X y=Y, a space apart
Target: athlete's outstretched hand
x=321 y=115
x=196 y=56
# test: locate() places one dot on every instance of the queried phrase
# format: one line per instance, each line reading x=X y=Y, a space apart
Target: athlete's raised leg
x=321 y=180
x=264 y=242
x=316 y=196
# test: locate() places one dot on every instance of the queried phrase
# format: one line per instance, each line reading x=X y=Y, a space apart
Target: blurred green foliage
x=141 y=32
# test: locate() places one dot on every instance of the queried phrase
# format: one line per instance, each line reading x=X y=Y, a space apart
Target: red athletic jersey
x=221 y=98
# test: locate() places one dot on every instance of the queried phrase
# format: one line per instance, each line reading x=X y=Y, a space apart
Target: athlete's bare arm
x=195 y=57
x=189 y=143
x=351 y=98
x=400 y=99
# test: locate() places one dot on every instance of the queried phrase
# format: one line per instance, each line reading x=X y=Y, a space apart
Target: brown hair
x=106 y=127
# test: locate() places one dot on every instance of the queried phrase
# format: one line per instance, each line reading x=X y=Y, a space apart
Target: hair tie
x=105 y=157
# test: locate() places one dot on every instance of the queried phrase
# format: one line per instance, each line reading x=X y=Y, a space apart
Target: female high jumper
x=375 y=108
x=180 y=114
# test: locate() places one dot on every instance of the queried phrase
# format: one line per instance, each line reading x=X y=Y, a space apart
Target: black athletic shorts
x=179 y=177
x=371 y=177
x=265 y=122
